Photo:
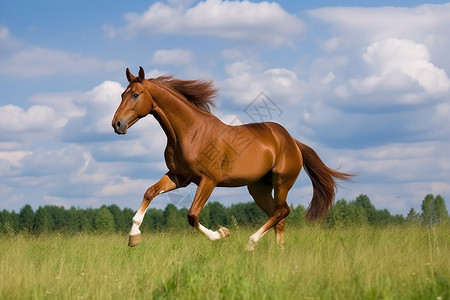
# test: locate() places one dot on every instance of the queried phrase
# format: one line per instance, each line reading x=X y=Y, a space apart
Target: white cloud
x=423 y=23
x=172 y=57
x=408 y=58
x=14 y=157
x=125 y=187
x=242 y=21
x=7 y=42
x=62 y=103
x=399 y=72
x=36 y=118
x=51 y=161
x=248 y=79
x=100 y=104
x=37 y=61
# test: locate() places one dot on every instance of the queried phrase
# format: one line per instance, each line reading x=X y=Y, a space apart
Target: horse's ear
x=130 y=76
x=141 y=74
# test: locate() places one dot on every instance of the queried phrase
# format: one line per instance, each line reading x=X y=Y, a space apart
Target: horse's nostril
x=119 y=127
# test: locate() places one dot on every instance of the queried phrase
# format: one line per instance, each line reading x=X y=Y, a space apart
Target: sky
x=364 y=83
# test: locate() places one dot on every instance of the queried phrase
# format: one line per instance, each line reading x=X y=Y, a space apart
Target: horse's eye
x=135 y=96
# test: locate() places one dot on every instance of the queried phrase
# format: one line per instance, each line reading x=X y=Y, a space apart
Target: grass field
x=316 y=263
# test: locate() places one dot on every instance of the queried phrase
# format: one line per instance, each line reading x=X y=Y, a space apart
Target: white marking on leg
x=137 y=221
x=213 y=235
x=254 y=238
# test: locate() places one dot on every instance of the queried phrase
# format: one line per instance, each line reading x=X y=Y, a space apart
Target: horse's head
x=136 y=103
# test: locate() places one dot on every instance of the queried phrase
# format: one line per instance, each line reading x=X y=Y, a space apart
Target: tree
x=74 y=220
x=104 y=220
x=59 y=216
x=382 y=217
x=247 y=214
x=296 y=216
x=119 y=220
x=441 y=209
x=172 y=218
x=43 y=221
x=433 y=210
x=370 y=210
x=413 y=217
x=9 y=222
x=345 y=214
x=217 y=215
x=26 y=218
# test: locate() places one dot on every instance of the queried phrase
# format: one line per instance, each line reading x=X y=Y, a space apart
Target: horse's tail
x=323 y=180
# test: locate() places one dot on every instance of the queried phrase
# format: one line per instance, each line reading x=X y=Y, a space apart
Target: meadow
x=393 y=262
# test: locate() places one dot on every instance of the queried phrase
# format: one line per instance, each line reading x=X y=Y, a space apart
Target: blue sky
x=366 y=84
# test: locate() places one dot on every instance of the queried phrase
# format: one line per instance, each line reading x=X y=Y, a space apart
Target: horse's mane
x=199 y=92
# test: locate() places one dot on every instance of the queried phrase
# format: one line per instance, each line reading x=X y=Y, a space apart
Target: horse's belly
x=245 y=169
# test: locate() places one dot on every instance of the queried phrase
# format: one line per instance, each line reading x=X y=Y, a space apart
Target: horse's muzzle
x=120 y=127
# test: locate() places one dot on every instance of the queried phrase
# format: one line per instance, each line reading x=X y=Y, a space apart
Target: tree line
x=109 y=219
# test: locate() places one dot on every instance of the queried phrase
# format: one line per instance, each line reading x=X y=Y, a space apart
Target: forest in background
x=109 y=219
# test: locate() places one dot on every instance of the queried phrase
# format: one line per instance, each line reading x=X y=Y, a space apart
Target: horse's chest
x=178 y=161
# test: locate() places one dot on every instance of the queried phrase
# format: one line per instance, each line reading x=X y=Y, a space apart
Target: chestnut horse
x=203 y=150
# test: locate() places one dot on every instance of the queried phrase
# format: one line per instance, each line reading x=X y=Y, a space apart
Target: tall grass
x=316 y=263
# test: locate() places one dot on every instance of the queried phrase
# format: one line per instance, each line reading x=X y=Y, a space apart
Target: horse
x=201 y=149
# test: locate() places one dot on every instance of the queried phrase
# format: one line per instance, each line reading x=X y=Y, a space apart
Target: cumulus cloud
x=399 y=73
x=247 y=79
x=36 y=118
x=233 y=20
x=408 y=58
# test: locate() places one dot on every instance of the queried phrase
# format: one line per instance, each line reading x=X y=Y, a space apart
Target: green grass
x=316 y=263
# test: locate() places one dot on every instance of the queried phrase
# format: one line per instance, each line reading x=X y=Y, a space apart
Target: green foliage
x=120 y=224
x=9 y=222
x=362 y=211
x=173 y=218
x=107 y=219
x=346 y=214
x=43 y=221
x=247 y=214
x=26 y=218
x=296 y=216
x=104 y=220
x=434 y=210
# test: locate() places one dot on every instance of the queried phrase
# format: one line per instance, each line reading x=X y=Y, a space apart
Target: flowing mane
x=199 y=92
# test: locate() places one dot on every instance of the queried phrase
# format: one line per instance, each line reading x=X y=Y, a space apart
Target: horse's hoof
x=251 y=244
x=224 y=232
x=134 y=240
x=250 y=247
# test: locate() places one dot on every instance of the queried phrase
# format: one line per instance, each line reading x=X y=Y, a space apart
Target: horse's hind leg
x=276 y=209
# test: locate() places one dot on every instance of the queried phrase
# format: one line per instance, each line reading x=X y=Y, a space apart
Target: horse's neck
x=176 y=116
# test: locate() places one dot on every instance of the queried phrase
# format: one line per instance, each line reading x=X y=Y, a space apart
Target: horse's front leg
x=204 y=190
x=167 y=183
